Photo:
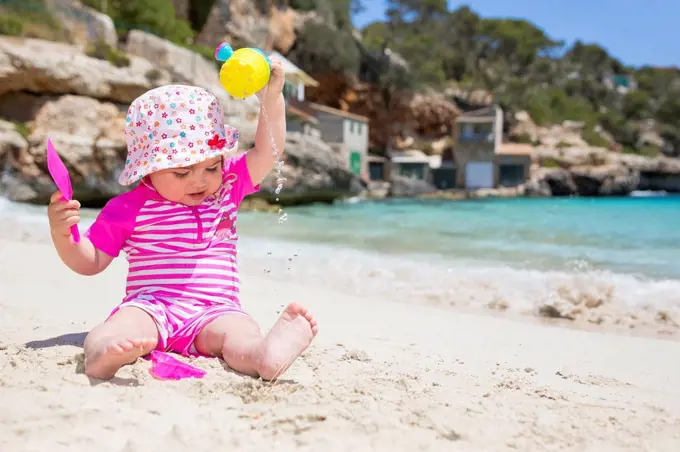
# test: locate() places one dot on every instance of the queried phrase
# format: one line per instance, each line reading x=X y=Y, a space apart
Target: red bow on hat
x=216 y=143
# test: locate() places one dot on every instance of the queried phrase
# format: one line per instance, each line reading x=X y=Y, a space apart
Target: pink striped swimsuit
x=182 y=259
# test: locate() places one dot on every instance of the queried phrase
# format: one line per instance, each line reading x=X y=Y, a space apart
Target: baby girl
x=177 y=230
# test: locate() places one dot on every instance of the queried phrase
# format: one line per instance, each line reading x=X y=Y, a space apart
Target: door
x=479 y=175
x=444 y=178
x=355 y=162
x=510 y=175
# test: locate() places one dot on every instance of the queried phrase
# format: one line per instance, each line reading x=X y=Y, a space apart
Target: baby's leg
x=120 y=340
x=237 y=338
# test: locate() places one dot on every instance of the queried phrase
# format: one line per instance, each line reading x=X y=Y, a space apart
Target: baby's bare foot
x=105 y=358
x=288 y=338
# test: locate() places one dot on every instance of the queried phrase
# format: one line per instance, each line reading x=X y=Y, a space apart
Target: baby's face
x=189 y=185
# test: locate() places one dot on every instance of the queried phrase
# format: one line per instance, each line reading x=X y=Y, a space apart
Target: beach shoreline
x=574 y=295
x=381 y=375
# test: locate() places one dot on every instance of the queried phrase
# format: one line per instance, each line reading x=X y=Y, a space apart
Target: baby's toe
x=127 y=345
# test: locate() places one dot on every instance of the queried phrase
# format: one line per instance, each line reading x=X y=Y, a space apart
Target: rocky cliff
x=55 y=90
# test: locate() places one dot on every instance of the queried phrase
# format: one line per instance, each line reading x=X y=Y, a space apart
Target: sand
x=381 y=375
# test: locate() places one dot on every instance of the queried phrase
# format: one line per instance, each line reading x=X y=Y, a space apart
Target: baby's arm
x=261 y=158
x=81 y=257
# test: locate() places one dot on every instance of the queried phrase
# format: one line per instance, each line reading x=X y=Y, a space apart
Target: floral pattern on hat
x=172 y=127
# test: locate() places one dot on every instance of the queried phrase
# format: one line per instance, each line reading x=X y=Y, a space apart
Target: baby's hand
x=276 y=81
x=62 y=214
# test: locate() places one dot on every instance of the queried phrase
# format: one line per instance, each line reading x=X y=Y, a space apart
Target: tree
x=525 y=68
x=669 y=111
x=635 y=105
x=591 y=59
x=462 y=26
x=414 y=28
x=320 y=48
x=510 y=47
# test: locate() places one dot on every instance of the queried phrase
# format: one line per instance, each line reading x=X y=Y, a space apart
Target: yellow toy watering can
x=244 y=72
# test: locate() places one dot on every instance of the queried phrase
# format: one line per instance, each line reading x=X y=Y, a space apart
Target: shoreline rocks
x=599 y=172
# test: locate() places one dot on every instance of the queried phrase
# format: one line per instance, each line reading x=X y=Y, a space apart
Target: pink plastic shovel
x=61 y=178
x=166 y=367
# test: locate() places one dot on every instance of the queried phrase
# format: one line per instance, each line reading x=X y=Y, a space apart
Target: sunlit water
x=521 y=251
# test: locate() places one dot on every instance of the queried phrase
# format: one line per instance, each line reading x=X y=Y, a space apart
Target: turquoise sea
x=636 y=235
x=518 y=253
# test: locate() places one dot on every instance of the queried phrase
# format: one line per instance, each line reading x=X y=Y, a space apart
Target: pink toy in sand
x=166 y=367
x=61 y=178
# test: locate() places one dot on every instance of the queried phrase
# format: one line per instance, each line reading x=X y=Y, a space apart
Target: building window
x=360 y=128
x=351 y=127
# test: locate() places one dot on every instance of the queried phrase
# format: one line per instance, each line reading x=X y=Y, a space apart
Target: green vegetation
x=328 y=45
x=11 y=25
x=103 y=51
x=529 y=70
x=30 y=19
x=550 y=163
x=153 y=74
x=594 y=139
x=158 y=17
x=520 y=63
x=320 y=48
x=154 y=16
x=22 y=128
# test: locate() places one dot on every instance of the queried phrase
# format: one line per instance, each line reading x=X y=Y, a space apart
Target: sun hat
x=174 y=126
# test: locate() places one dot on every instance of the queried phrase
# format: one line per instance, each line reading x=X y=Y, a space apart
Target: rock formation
x=599 y=172
x=247 y=22
x=53 y=90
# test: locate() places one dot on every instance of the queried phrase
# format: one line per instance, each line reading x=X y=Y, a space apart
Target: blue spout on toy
x=223 y=52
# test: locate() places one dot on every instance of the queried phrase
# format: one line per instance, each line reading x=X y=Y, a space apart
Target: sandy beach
x=381 y=375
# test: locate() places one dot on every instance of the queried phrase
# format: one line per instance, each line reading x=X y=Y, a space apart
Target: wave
x=578 y=291
x=648 y=193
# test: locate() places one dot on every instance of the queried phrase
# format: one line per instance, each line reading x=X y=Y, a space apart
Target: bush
x=11 y=25
x=30 y=19
x=644 y=150
x=154 y=16
x=553 y=106
x=304 y=5
x=523 y=138
x=636 y=105
x=550 y=163
x=102 y=51
x=22 y=128
x=322 y=49
x=153 y=74
x=594 y=139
